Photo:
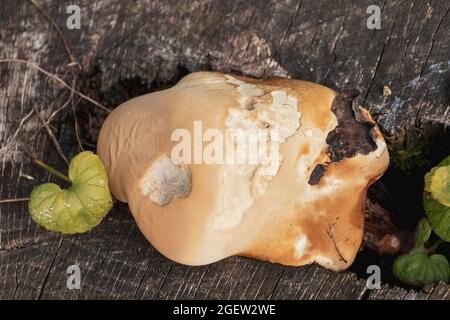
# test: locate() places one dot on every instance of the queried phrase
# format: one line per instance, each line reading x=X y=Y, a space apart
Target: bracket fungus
x=302 y=204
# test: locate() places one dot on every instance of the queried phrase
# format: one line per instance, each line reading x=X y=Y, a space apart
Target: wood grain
x=156 y=42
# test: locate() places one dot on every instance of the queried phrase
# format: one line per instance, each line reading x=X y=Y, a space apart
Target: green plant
x=408 y=157
x=421 y=266
x=80 y=207
x=437 y=199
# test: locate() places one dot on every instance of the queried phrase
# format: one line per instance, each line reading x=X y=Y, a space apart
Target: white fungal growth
x=308 y=132
x=235 y=196
x=301 y=245
x=277 y=113
x=246 y=90
x=323 y=261
x=381 y=148
x=317 y=146
x=282 y=114
x=332 y=185
x=165 y=180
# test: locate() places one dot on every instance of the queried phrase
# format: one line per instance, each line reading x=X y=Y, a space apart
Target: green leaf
x=438 y=217
x=79 y=208
x=443 y=163
x=423 y=232
x=436 y=199
x=440 y=185
x=417 y=268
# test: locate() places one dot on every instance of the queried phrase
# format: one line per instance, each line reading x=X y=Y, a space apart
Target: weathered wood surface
x=156 y=41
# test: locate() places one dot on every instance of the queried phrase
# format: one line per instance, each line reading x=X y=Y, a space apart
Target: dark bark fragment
x=350 y=136
x=317 y=174
x=380 y=233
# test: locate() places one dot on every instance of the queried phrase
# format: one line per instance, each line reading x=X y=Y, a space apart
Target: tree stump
x=127 y=49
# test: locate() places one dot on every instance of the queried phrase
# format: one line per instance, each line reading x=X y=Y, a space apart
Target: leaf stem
x=433 y=248
x=52 y=170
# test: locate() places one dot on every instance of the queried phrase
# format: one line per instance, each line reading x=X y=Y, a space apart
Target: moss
x=408 y=157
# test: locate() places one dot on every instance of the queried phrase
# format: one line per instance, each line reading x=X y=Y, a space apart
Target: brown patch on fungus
x=317 y=174
x=304 y=150
x=351 y=136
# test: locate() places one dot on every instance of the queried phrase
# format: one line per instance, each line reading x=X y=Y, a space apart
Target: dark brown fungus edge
x=350 y=137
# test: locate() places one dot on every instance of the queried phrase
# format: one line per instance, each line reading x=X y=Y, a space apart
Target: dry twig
x=51 y=136
x=16 y=133
x=14 y=200
x=73 y=61
x=331 y=235
x=57 y=79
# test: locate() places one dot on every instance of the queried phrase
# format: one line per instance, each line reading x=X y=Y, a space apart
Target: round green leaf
x=429 y=175
x=417 y=268
x=436 y=198
x=440 y=185
x=438 y=216
x=80 y=207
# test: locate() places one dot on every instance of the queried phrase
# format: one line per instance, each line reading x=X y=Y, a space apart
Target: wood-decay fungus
x=303 y=203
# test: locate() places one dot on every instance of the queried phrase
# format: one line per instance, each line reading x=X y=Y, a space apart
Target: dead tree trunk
x=130 y=48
